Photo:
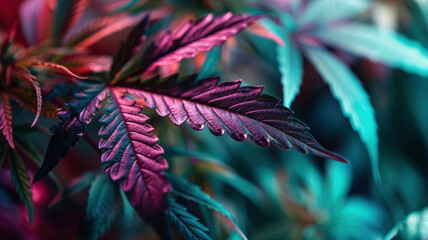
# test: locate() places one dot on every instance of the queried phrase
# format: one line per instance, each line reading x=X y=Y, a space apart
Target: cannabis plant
x=121 y=89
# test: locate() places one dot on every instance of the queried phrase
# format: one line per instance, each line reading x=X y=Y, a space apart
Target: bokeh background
x=273 y=194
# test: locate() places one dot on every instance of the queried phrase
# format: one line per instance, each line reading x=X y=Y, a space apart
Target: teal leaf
x=194 y=193
x=22 y=182
x=357 y=211
x=302 y=170
x=352 y=97
x=338 y=181
x=270 y=184
x=290 y=65
x=413 y=227
x=242 y=185
x=26 y=147
x=29 y=150
x=128 y=209
x=100 y=212
x=422 y=7
x=362 y=211
x=66 y=14
x=220 y=171
x=323 y=11
x=289 y=58
x=390 y=48
x=212 y=64
x=185 y=223
x=273 y=27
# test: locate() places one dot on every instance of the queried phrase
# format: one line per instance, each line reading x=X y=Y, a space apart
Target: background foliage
x=328 y=60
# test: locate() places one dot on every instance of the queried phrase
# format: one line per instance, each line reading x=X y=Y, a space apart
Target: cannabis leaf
x=368 y=41
x=354 y=100
x=66 y=14
x=186 y=223
x=313 y=24
x=22 y=182
x=129 y=152
x=28 y=100
x=99 y=28
x=291 y=68
x=188 y=40
x=321 y=12
x=184 y=189
x=25 y=74
x=67 y=132
x=100 y=212
x=194 y=193
x=126 y=47
x=226 y=107
x=6 y=119
x=131 y=155
x=412 y=227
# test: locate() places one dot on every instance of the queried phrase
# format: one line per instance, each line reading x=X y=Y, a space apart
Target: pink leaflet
x=226 y=107
x=132 y=155
x=193 y=38
x=6 y=119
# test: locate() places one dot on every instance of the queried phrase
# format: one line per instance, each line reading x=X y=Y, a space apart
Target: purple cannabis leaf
x=226 y=107
x=6 y=119
x=191 y=39
x=87 y=103
x=131 y=155
x=67 y=132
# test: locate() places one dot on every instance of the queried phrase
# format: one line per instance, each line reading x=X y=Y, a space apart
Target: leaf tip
x=339 y=158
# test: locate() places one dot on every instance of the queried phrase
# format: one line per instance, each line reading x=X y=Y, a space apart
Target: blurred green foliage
x=269 y=193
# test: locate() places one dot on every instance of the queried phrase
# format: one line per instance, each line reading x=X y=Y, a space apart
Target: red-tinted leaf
x=132 y=157
x=260 y=30
x=39 y=100
x=28 y=100
x=67 y=13
x=36 y=20
x=54 y=66
x=25 y=74
x=85 y=64
x=191 y=39
x=100 y=28
x=240 y=111
x=6 y=119
x=127 y=46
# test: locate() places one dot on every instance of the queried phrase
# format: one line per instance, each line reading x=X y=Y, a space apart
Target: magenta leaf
x=87 y=103
x=191 y=39
x=132 y=157
x=6 y=119
x=67 y=132
x=226 y=107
